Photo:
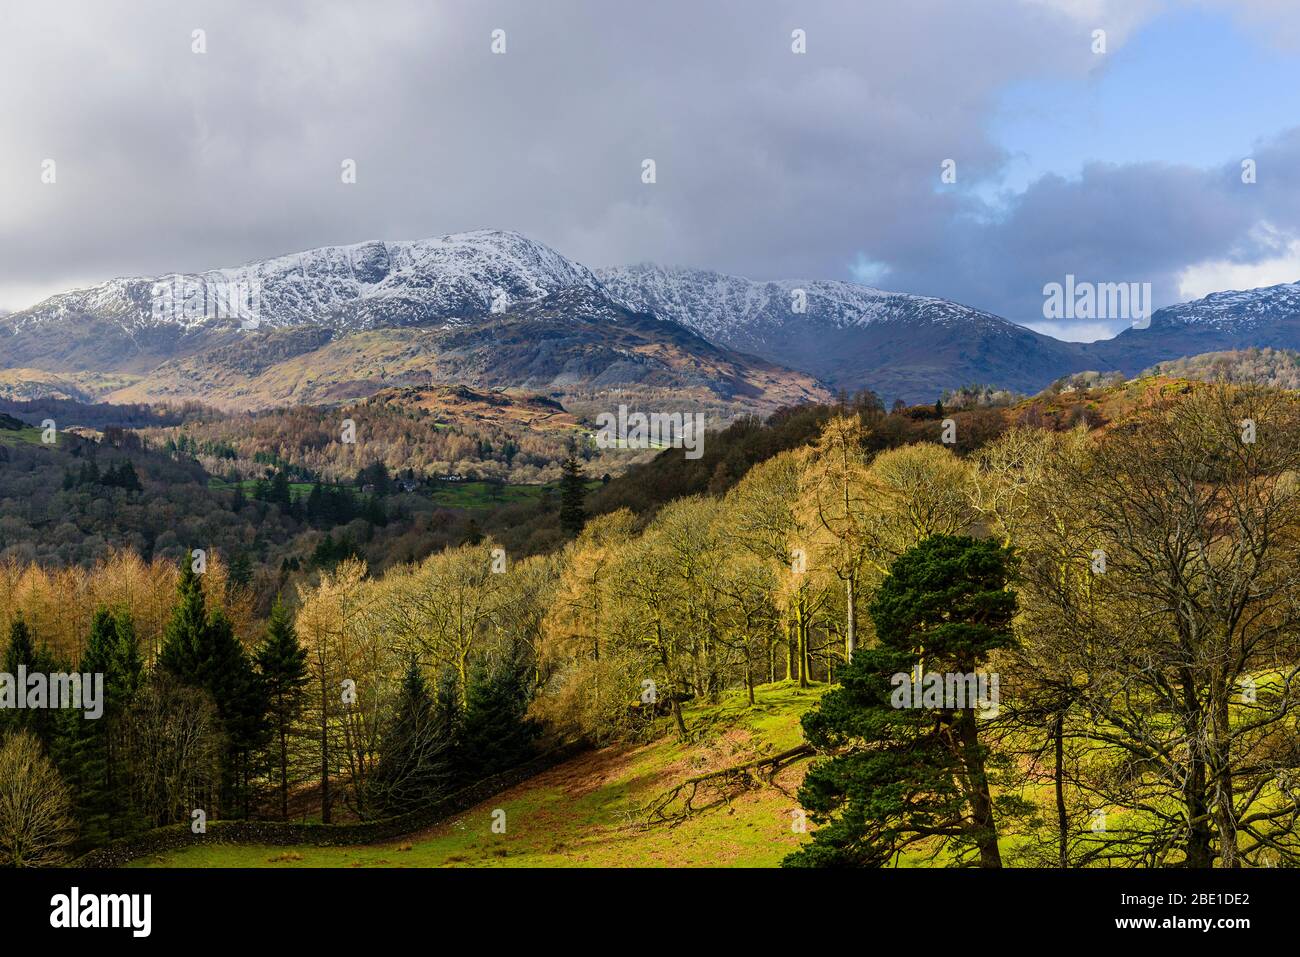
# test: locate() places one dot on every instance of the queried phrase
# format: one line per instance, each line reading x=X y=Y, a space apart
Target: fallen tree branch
x=722 y=785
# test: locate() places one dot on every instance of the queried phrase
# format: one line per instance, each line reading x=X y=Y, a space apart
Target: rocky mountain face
x=487 y=308
x=133 y=324
x=914 y=347
x=574 y=343
x=850 y=335
x=337 y=287
x=1268 y=317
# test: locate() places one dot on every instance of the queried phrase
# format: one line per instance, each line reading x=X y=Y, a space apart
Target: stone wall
x=283 y=833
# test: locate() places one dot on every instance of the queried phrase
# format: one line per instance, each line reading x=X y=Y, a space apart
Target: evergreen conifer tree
x=495 y=732
x=573 y=490
x=282 y=664
x=903 y=772
x=201 y=651
x=85 y=751
x=24 y=651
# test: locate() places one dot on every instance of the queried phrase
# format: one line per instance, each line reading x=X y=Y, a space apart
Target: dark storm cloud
x=769 y=164
x=1145 y=222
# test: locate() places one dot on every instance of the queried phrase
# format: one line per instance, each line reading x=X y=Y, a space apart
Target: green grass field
x=582 y=813
x=483 y=495
x=26 y=436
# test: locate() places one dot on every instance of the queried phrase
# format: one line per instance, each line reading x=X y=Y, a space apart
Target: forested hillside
x=1075 y=546
x=1279 y=368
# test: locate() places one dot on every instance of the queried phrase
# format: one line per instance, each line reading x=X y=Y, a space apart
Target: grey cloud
x=1131 y=223
x=769 y=164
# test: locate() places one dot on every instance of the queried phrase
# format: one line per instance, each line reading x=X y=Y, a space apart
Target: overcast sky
x=1115 y=166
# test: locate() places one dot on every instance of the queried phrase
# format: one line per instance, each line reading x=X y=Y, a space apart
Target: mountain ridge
x=155 y=332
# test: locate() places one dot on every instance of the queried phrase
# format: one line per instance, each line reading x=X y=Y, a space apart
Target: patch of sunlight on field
x=582 y=813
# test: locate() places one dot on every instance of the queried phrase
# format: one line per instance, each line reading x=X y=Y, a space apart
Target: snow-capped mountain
x=733 y=309
x=282 y=316
x=849 y=335
x=362 y=286
x=486 y=308
x=1235 y=319
x=1236 y=309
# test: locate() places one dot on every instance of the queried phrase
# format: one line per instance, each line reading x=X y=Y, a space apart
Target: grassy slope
x=579 y=813
x=23 y=384
x=26 y=436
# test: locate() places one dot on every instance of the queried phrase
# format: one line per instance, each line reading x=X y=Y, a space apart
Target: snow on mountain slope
x=743 y=312
x=1268 y=317
x=1236 y=308
x=346 y=288
x=849 y=336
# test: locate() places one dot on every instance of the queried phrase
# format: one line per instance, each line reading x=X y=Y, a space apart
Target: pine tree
x=495 y=732
x=447 y=712
x=241 y=571
x=413 y=766
x=900 y=772
x=282 y=663
x=227 y=674
x=281 y=492
x=573 y=490
x=84 y=751
x=201 y=651
x=127 y=478
x=23 y=651
x=184 y=632
x=315 y=503
x=84 y=765
x=125 y=666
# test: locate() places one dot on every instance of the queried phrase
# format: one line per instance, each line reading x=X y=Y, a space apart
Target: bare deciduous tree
x=36 y=825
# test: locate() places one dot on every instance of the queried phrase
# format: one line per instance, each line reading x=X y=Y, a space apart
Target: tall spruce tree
x=202 y=651
x=447 y=711
x=240 y=695
x=26 y=652
x=573 y=491
x=495 y=732
x=282 y=663
x=907 y=774
x=184 y=633
x=86 y=751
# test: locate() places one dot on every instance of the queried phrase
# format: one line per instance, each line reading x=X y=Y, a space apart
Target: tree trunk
x=1062 y=822
x=789 y=653
x=1224 y=813
x=851 y=621
x=1200 y=837
x=986 y=838
x=284 y=773
x=801 y=629
x=324 y=750
x=677 y=714
x=1200 y=849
